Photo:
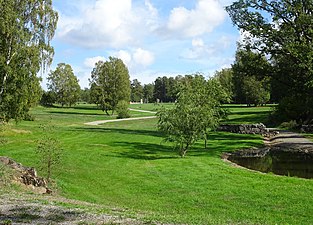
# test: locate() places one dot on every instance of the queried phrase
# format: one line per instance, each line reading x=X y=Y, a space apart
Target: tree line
x=274 y=63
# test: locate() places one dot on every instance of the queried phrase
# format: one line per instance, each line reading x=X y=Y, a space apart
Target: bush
x=122 y=110
x=291 y=125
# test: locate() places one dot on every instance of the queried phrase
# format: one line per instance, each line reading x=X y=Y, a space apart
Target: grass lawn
x=125 y=165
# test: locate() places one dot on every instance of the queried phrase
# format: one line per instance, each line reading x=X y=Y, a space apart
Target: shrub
x=122 y=110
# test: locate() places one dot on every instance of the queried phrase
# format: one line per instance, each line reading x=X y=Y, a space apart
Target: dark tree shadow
x=76 y=113
x=145 y=151
x=121 y=131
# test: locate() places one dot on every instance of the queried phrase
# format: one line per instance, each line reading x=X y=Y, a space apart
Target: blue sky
x=153 y=37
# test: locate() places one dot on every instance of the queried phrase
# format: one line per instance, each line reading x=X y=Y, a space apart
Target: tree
x=85 y=95
x=48 y=98
x=284 y=31
x=26 y=29
x=110 y=84
x=148 y=90
x=196 y=111
x=251 y=77
x=255 y=91
x=64 y=84
x=136 y=91
x=225 y=78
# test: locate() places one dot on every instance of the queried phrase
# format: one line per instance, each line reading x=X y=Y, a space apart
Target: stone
x=25 y=175
x=259 y=128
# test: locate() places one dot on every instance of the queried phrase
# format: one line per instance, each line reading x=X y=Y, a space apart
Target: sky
x=153 y=37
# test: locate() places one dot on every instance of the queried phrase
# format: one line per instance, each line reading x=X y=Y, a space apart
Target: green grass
x=242 y=114
x=125 y=165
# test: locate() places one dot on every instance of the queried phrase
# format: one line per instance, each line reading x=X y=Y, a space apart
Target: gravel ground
x=23 y=208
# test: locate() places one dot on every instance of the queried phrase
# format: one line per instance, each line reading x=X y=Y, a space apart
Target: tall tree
x=64 y=84
x=148 y=90
x=225 y=78
x=136 y=91
x=250 y=71
x=26 y=29
x=110 y=84
x=284 y=30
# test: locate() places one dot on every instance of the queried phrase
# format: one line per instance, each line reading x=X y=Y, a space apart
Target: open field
x=126 y=165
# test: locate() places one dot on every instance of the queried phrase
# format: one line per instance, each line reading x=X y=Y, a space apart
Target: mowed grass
x=126 y=165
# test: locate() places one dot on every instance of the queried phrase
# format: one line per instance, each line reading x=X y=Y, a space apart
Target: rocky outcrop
x=25 y=175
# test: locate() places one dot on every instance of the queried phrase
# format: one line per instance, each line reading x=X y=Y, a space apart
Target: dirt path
x=98 y=122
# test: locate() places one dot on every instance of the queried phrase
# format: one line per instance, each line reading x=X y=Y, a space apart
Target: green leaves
x=26 y=29
x=196 y=112
x=110 y=84
x=64 y=84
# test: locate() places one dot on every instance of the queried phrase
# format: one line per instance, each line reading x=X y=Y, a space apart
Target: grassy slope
x=125 y=165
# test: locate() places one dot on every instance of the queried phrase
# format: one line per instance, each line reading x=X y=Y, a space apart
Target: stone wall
x=244 y=128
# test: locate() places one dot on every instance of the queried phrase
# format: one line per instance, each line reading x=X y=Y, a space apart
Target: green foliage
x=48 y=98
x=26 y=29
x=148 y=90
x=254 y=91
x=64 y=85
x=85 y=96
x=110 y=84
x=122 y=110
x=136 y=91
x=196 y=112
x=225 y=78
x=251 y=78
x=283 y=30
x=49 y=151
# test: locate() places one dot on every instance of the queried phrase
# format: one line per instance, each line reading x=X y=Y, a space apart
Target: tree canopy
x=110 y=84
x=196 y=112
x=26 y=29
x=283 y=30
x=64 y=84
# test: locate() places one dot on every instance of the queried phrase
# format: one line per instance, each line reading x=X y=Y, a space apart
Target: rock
x=258 y=128
x=25 y=175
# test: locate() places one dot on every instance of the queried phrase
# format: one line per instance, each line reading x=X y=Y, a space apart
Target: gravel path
x=291 y=140
x=94 y=123
x=99 y=122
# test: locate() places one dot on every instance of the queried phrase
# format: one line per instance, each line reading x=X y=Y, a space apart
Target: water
x=281 y=162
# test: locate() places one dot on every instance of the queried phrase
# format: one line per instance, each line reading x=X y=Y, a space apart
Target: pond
x=281 y=161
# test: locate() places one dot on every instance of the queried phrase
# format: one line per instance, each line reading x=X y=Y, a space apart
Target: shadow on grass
x=77 y=113
x=249 y=117
x=121 y=131
x=145 y=151
x=218 y=143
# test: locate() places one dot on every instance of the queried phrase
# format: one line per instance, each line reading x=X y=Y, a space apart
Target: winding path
x=99 y=122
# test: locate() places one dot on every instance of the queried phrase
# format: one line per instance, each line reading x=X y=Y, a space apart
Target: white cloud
x=90 y=62
x=143 y=57
x=125 y=56
x=108 y=23
x=206 y=15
